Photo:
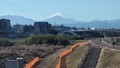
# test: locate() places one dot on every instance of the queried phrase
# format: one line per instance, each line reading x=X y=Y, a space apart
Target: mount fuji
x=59 y=18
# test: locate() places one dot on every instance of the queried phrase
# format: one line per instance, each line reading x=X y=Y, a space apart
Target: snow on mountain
x=56 y=14
x=59 y=18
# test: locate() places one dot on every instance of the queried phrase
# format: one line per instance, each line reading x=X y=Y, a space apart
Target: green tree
x=5 y=42
x=53 y=31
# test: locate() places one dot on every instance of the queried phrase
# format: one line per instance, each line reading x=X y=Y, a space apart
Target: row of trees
x=5 y=42
x=42 y=39
x=47 y=39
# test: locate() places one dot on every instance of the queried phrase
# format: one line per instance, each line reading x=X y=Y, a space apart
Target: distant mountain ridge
x=98 y=24
x=58 y=19
x=18 y=19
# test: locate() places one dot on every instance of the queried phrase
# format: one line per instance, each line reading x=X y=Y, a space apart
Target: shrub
x=5 y=42
x=53 y=31
x=73 y=37
x=61 y=40
x=47 y=39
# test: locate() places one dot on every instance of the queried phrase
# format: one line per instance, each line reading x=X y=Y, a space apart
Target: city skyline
x=78 y=9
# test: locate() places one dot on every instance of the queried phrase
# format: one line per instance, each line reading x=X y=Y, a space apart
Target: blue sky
x=82 y=10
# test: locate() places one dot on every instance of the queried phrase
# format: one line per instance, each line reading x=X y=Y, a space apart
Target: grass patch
x=108 y=40
x=51 y=60
x=73 y=58
x=109 y=59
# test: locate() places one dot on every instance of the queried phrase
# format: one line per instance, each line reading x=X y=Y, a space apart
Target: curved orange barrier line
x=61 y=63
x=30 y=64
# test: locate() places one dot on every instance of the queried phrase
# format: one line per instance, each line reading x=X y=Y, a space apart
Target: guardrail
x=62 y=63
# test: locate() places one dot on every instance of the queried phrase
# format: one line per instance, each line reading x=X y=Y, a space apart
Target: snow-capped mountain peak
x=59 y=18
x=60 y=14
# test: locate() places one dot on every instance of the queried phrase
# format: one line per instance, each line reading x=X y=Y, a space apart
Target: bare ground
x=27 y=52
x=51 y=60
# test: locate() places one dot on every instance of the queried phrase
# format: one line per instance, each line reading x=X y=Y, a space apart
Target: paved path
x=92 y=58
x=104 y=44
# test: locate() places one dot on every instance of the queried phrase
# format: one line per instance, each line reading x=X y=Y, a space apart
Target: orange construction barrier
x=62 y=63
x=33 y=62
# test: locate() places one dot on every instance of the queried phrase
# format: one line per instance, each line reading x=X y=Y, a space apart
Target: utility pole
x=105 y=28
x=105 y=24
